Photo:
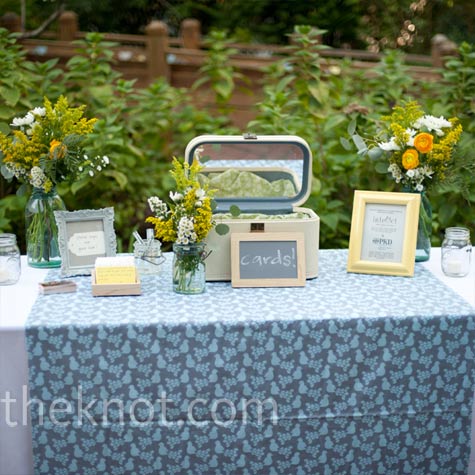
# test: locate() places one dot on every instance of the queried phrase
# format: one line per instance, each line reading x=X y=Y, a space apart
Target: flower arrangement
x=418 y=146
x=186 y=222
x=46 y=146
x=189 y=218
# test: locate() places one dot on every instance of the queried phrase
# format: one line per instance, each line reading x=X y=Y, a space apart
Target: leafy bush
x=140 y=129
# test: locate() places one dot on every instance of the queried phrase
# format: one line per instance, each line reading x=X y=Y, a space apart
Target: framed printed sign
x=383 y=233
x=83 y=236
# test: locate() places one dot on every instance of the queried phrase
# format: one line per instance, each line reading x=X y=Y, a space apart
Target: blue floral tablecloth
x=352 y=374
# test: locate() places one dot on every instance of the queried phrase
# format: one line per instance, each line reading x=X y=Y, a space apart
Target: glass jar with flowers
x=418 y=153
x=186 y=222
x=45 y=148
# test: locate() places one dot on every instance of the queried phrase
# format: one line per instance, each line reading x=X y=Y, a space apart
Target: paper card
x=115 y=275
x=87 y=243
x=115 y=261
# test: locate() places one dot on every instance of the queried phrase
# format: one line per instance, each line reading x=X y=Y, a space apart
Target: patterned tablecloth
x=352 y=374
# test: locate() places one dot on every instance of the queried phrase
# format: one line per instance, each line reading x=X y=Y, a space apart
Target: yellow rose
x=410 y=159
x=57 y=149
x=423 y=142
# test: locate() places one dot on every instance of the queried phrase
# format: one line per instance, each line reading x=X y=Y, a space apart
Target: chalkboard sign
x=267 y=259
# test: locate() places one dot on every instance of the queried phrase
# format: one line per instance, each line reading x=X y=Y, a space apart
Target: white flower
x=419 y=187
x=38 y=177
x=80 y=169
x=91 y=173
x=105 y=160
x=395 y=172
x=432 y=123
x=200 y=194
x=176 y=197
x=28 y=119
x=410 y=173
x=17 y=122
x=426 y=171
x=158 y=207
x=186 y=232
x=99 y=168
x=389 y=146
x=394 y=169
x=41 y=111
x=412 y=133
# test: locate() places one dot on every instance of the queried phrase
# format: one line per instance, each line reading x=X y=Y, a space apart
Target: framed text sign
x=83 y=236
x=267 y=260
x=383 y=233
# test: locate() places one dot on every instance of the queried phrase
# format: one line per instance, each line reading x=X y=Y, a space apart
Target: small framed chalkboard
x=267 y=260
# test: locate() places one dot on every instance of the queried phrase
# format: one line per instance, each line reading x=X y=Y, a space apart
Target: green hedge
x=141 y=129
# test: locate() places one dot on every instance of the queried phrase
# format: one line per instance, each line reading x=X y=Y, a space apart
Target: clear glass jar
x=41 y=229
x=10 y=266
x=148 y=257
x=189 y=268
x=456 y=252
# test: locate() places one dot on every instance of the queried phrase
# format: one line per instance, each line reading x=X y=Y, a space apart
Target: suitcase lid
x=266 y=173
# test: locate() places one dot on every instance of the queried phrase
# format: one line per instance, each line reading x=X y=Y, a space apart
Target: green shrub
x=141 y=129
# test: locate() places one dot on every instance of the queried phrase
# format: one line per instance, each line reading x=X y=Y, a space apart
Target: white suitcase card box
x=267 y=177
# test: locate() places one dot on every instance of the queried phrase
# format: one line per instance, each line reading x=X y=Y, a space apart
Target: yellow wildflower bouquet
x=189 y=218
x=46 y=146
x=186 y=222
x=419 y=146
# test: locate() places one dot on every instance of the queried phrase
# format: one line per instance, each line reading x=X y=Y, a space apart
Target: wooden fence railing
x=156 y=54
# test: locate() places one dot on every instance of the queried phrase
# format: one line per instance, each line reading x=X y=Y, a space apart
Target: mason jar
x=456 y=252
x=10 y=266
x=148 y=257
x=189 y=272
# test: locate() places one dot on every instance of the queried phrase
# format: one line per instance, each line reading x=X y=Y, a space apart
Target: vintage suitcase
x=267 y=177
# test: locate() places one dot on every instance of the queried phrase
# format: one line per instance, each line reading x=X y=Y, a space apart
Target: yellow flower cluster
x=164 y=229
x=20 y=151
x=204 y=220
x=48 y=139
x=189 y=218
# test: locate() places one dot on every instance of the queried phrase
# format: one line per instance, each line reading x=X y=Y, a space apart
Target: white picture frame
x=83 y=236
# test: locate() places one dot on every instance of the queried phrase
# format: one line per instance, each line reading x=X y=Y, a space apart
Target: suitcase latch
x=257 y=227
x=249 y=136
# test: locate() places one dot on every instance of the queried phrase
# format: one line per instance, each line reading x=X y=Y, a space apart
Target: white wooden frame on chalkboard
x=237 y=275
x=97 y=225
x=383 y=233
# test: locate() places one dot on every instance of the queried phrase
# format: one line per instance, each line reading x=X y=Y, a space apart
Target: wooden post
x=68 y=26
x=441 y=47
x=11 y=21
x=157 y=45
x=191 y=33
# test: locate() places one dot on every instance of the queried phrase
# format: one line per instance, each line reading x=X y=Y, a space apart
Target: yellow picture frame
x=383 y=233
